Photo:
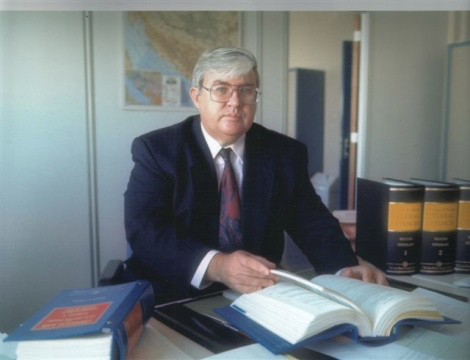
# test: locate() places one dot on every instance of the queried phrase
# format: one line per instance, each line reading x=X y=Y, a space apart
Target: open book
x=296 y=311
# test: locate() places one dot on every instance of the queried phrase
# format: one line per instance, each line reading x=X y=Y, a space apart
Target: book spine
x=462 y=254
x=405 y=210
x=128 y=324
x=389 y=225
x=439 y=230
x=127 y=334
x=371 y=213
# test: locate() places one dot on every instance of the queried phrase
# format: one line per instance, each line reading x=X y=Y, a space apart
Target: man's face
x=225 y=122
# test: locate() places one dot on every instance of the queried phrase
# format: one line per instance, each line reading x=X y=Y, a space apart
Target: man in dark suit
x=172 y=203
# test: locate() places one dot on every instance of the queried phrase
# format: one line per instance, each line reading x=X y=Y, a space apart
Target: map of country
x=161 y=49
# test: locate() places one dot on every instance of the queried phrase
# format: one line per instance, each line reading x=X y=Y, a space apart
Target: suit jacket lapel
x=204 y=181
x=258 y=183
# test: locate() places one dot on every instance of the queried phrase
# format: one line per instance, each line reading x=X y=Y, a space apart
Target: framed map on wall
x=161 y=49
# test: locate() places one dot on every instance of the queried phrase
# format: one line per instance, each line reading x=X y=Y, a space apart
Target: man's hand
x=241 y=271
x=365 y=271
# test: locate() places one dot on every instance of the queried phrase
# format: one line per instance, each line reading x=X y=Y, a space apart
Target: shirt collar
x=238 y=146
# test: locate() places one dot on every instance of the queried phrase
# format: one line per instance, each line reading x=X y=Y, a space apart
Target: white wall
x=457 y=120
x=406 y=94
x=45 y=243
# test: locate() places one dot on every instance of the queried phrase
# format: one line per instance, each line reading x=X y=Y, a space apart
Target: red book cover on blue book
x=119 y=311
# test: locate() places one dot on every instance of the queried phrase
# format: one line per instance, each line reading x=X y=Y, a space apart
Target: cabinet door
x=306 y=113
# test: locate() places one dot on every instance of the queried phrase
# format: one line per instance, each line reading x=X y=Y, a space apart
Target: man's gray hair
x=232 y=62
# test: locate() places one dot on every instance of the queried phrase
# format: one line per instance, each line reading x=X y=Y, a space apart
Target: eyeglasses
x=222 y=93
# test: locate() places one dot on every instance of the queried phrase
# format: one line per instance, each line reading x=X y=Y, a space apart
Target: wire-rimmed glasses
x=222 y=93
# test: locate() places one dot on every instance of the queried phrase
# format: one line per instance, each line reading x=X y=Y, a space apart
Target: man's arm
x=310 y=224
x=157 y=240
x=327 y=247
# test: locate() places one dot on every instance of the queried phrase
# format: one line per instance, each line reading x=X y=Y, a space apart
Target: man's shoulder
x=167 y=141
x=273 y=138
x=172 y=132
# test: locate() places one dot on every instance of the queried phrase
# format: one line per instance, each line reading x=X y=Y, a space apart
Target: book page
x=414 y=344
x=452 y=308
x=432 y=342
x=295 y=313
x=90 y=346
x=383 y=304
x=316 y=288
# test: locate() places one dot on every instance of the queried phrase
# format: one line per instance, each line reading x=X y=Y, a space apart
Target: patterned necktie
x=230 y=234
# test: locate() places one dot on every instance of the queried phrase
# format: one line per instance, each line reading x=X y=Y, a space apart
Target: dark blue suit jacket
x=172 y=206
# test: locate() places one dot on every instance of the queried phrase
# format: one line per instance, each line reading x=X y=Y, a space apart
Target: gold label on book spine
x=439 y=216
x=404 y=216
x=464 y=215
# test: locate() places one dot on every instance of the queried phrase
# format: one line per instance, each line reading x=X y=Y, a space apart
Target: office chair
x=112 y=273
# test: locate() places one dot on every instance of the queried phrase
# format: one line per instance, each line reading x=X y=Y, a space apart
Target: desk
x=444 y=284
x=161 y=342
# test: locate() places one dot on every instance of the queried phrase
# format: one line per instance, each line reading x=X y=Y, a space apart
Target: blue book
x=297 y=312
x=104 y=322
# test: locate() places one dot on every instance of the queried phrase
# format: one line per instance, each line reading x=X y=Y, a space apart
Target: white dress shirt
x=238 y=149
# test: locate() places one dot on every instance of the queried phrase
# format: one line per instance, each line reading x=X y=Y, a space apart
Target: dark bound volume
x=462 y=254
x=441 y=201
x=389 y=215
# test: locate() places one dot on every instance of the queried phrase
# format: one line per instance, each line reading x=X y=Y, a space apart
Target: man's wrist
x=339 y=271
x=199 y=281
